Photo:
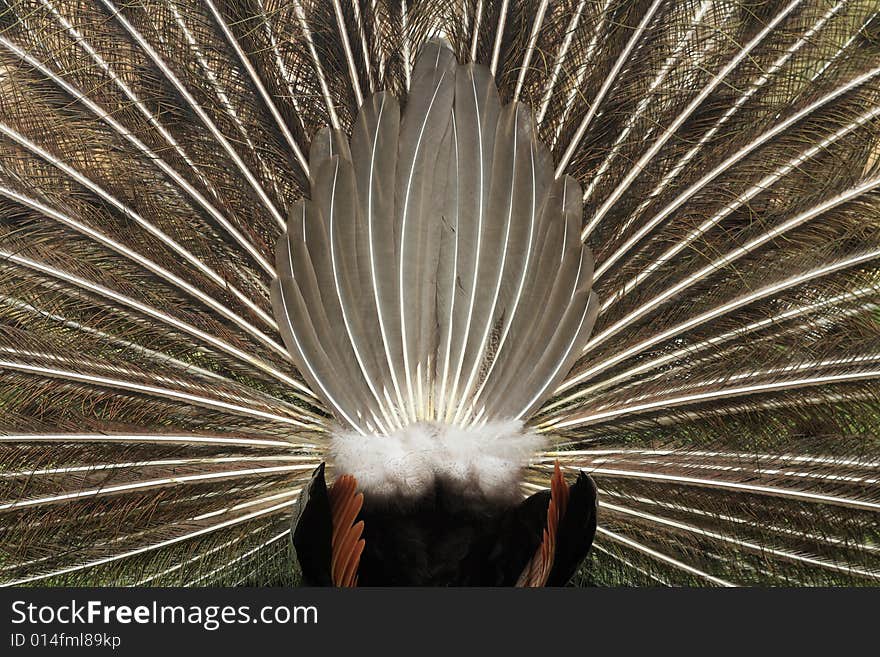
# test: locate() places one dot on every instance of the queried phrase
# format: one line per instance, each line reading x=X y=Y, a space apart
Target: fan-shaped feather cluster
x=156 y=428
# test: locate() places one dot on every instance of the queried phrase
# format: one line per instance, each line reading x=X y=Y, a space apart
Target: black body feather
x=444 y=538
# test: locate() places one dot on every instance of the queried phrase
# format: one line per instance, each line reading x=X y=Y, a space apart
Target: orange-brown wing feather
x=537 y=571
x=347 y=544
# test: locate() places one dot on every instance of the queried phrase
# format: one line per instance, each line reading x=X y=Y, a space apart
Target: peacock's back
x=720 y=159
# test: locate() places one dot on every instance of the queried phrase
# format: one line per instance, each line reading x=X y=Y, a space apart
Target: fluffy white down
x=483 y=461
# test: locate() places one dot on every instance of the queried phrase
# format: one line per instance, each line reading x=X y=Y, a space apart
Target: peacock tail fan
x=469 y=251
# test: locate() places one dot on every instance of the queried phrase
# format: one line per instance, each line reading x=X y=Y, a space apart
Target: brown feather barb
x=708 y=169
x=347 y=544
x=538 y=570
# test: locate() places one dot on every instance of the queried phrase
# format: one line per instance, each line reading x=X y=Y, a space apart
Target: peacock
x=477 y=292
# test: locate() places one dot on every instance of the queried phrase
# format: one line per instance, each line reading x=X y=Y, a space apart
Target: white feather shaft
x=198 y=109
x=673 y=127
x=156 y=314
